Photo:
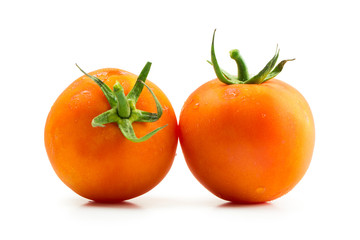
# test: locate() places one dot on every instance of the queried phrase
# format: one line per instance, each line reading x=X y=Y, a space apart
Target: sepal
x=123 y=108
x=260 y=77
x=127 y=130
x=105 y=88
x=277 y=69
x=105 y=118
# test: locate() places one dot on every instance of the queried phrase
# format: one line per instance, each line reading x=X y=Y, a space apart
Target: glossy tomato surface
x=99 y=163
x=247 y=143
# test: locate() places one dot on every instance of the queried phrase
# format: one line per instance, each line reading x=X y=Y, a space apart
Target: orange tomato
x=247 y=143
x=99 y=163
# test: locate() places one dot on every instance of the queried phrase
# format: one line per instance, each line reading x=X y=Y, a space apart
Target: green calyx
x=267 y=73
x=123 y=108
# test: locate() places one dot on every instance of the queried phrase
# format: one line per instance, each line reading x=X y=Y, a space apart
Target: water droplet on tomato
x=86 y=92
x=231 y=93
x=263 y=115
x=260 y=190
x=196 y=105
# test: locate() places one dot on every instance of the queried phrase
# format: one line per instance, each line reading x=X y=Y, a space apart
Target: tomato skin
x=99 y=163
x=247 y=143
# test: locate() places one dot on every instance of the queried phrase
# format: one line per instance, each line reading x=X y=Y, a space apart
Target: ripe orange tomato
x=249 y=141
x=99 y=163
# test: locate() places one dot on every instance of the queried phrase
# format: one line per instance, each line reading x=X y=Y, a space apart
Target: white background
x=41 y=41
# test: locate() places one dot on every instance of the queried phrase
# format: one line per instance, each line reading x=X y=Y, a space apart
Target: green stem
x=267 y=73
x=123 y=108
x=243 y=74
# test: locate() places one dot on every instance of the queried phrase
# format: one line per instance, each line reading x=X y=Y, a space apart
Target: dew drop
x=196 y=105
x=231 y=93
x=260 y=190
x=86 y=92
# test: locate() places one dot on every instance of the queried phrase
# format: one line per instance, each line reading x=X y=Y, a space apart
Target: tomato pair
x=245 y=139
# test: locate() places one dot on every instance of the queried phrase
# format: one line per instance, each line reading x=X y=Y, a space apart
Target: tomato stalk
x=267 y=73
x=123 y=108
x=243 y=74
